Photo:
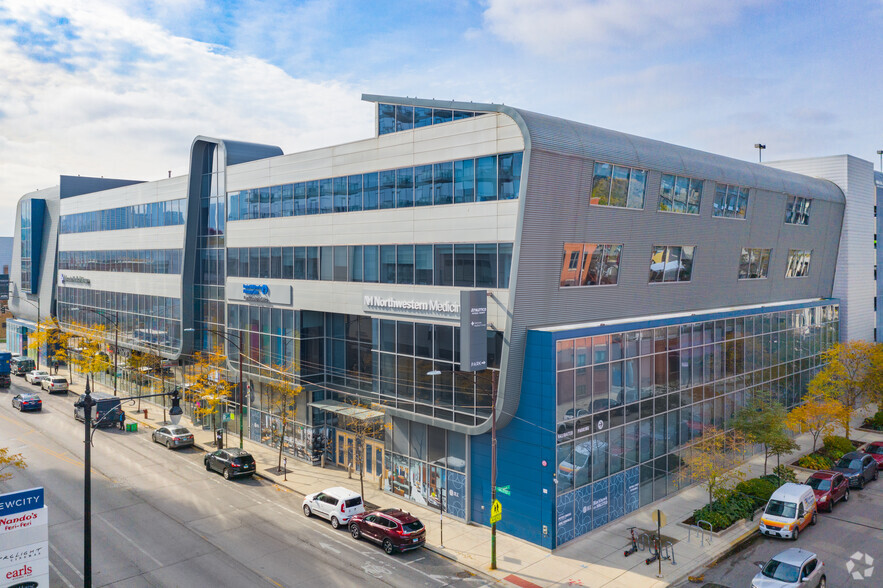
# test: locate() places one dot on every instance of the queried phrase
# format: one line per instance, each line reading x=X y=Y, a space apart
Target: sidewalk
x=594 y=560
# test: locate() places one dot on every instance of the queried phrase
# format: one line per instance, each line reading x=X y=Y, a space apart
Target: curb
x=733 y=546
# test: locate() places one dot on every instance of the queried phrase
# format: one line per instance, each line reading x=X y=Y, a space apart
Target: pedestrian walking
x=122 y=420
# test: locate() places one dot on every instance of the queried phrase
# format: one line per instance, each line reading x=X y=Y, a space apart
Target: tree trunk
x=281 y=441
x=766 y=455
x=359 y=460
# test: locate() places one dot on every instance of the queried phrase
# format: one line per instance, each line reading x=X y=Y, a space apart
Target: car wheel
x=831 y=505
x=814 y=518
x=168 y=444
x=861 y=483
x=354 y=530
x=388 y=547
x=795 y=534
x=226 y=473
x=208 y=467
x=876 y=474
x=823 y=582
x=334 y=523
x=846 y=496
x=307 y=510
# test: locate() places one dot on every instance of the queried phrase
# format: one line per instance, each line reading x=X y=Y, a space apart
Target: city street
x=856 y=526
x=160 y=519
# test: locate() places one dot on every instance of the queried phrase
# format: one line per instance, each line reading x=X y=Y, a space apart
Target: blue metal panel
x=522 y=447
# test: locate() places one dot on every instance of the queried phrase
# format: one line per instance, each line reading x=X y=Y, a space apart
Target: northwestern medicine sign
x=24 y=540
x=412 y=303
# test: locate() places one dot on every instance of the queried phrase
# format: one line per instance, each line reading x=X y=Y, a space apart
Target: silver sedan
x=173 y=436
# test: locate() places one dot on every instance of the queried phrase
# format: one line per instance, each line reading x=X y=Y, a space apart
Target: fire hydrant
x=145 y=413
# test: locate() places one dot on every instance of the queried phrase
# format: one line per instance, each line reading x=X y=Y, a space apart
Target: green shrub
x=815 y=462
x=772 y=478
x=723 y=513
x=832 y=443
x=785 y=474
x=876 y=422
x=758 y=488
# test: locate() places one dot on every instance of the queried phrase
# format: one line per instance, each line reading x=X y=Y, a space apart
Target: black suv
x=858 y=468
x=230 y=462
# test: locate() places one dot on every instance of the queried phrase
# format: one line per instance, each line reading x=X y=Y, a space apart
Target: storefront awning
x=356 y=412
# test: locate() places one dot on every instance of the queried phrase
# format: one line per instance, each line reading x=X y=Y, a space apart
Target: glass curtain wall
x=631 y=404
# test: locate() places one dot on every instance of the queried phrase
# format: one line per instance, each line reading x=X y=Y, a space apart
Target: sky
x=120 y=88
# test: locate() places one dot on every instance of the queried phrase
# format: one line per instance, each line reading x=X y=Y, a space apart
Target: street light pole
x=241 y=391
x=87 y=489
x=760 y=147
x=493 y=466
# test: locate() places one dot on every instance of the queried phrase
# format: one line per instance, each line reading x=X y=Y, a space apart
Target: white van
x=790 y=510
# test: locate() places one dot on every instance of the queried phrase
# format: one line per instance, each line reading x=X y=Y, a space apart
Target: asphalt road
x=160 y=519
x=853 y=527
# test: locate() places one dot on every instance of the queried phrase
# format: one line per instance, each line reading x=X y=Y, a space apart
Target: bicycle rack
x=644 y=542
x=670 y=553
x=700 y=531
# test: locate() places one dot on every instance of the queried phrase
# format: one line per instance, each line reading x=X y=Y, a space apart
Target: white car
x=793 y=568
x=54 y=384
x=36 y=376
x=337 y=505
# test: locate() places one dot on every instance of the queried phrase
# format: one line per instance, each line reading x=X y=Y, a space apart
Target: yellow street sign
x=496 y=512
x=658 y=517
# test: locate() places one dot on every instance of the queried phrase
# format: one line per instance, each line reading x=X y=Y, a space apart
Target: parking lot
x=853 y=528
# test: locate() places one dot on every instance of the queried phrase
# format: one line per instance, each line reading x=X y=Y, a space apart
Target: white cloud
x=562 y=27
x=115 y=96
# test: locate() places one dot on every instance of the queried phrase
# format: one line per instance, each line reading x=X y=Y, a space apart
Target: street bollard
x=145 y=413
x=285 y=465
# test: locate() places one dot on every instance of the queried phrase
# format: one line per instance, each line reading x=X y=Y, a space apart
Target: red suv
x=394 y=529
x=829 y=487
x=876 y=451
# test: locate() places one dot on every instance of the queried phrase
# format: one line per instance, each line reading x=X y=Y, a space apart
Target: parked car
x=173 y=436
x=338 y=505
x=829 y=487
x=106 y=409
x=54 y=384
x=393 y=529
x=859 y=468
x=791 y=508
x=875 y=450
x=34 y=377
x=232 y=462
x=27 y=401
x=792 y=568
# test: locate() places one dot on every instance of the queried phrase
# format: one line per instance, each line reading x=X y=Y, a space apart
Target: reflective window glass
x=486 y=178
x=464 y=181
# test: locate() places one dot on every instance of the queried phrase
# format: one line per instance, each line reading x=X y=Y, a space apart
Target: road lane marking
x=138 y=547
x=65 y=560
x=60 y=575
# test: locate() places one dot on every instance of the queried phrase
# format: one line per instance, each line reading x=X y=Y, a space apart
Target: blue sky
x=120 y=88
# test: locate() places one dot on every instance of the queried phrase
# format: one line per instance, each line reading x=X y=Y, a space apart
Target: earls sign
x=24 y=540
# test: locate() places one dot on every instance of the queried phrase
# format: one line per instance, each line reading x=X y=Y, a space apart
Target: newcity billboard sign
x=24 y=540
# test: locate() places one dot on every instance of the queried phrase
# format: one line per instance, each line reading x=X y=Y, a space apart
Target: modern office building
x=619 y=294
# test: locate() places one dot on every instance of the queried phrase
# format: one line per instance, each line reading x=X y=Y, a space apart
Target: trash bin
x=132 y=427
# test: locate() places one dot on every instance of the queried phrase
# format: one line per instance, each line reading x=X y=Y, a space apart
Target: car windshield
x=777 y=508
x=351 y=502
x=875 y=449
x=781 y=571
x=819 y=484
x=411 y=527
x=851 y=464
